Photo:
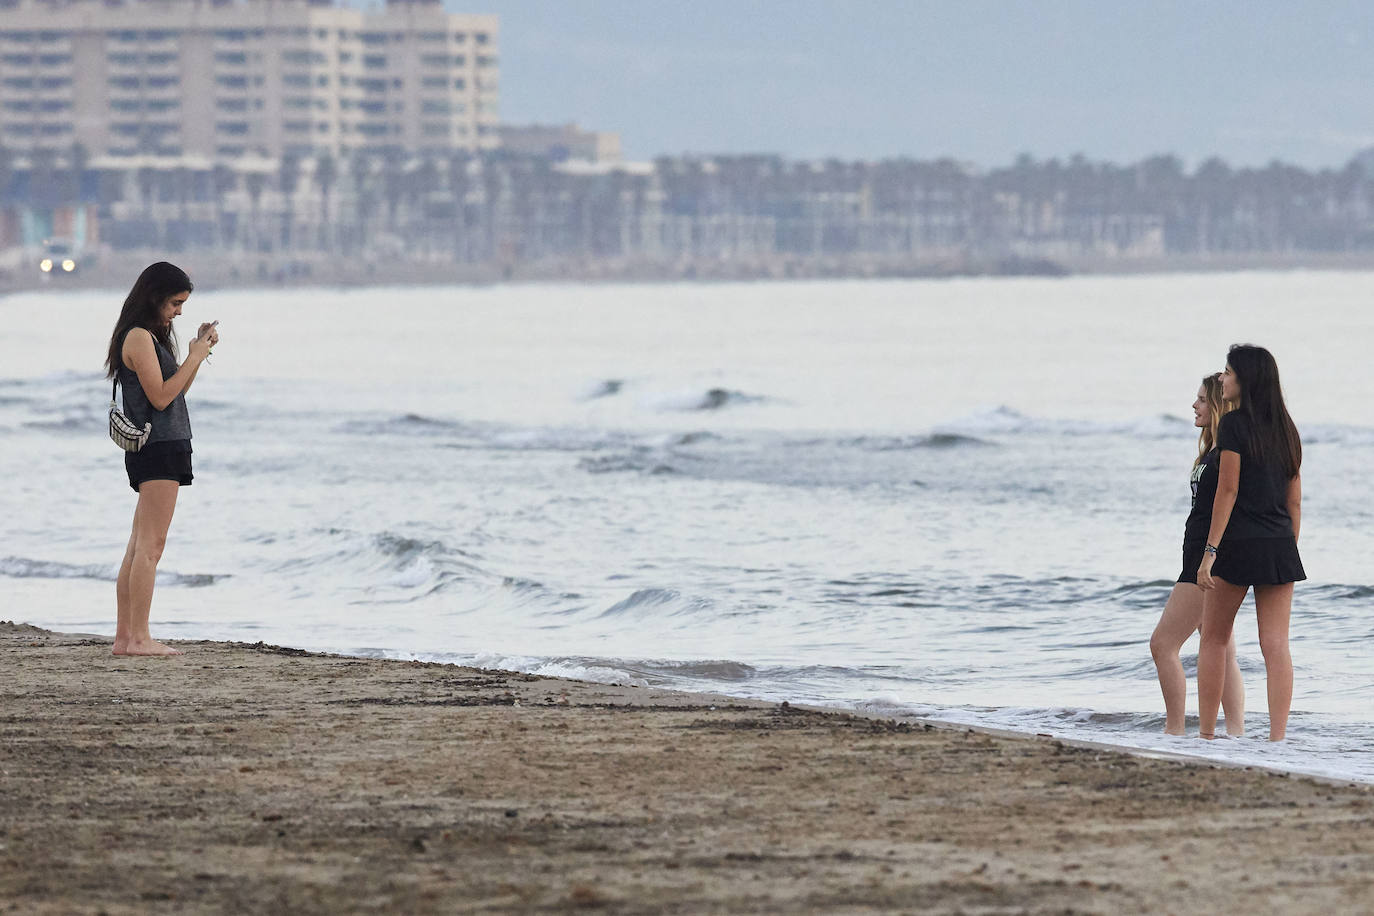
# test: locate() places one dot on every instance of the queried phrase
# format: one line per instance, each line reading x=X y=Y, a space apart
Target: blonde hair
x=1217 y=407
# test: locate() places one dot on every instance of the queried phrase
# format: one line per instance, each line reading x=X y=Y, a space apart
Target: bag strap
x=114 y=386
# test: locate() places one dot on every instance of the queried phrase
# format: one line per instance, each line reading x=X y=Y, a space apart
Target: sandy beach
x=254 y=779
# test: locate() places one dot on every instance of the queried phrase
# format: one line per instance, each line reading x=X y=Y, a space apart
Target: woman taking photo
x=1183 y=611
x=1253 y=537
x=143 y=358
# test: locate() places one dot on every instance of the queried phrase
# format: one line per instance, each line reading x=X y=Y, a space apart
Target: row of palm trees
x=472 y=208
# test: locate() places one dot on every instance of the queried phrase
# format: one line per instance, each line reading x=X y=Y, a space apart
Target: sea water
x=958 y=499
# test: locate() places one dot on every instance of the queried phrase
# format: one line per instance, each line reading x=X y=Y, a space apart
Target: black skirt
x=1259 y=561
x=168 y=460
x=1192 y=559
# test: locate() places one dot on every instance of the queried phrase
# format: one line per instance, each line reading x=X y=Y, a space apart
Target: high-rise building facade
x=223 y=79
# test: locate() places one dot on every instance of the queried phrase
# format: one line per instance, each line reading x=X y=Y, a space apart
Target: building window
x=436 y=130
x=161 y=59
x=482 y=38
x=374 y=61
x=460 y=84
x=124 y=82
x=18 y=106
x=17 y=60
x=486 y=60
x=162 y=82
x=233 y=58
x=231 y=104
x=296 y=80
x=124 y=60
x=435 y=82
x=460 y=37
x=434 y=106
x=231 y=82
x=296 y=127
x=232 y=128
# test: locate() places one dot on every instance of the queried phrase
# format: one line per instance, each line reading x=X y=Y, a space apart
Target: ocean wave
x=645 y=462
x=24 y=568
x=411 y=424
x=696 y=399
x=907 y=443
x=657 y=603
x=603 y=388
x=1004 y=420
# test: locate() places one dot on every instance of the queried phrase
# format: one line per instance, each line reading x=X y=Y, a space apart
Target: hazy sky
x=980 y=80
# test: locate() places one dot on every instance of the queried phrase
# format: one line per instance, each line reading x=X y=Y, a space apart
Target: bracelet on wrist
x=1210 y=549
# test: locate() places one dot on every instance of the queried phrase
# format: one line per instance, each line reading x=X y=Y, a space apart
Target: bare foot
x=145 y=647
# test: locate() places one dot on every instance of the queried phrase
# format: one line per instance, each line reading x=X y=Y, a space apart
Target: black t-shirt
x=1261 y=509
x=1204 y=484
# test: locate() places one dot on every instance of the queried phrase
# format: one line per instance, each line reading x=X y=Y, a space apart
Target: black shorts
x=1192 y=559
x=169 y=460
x=1259 y=561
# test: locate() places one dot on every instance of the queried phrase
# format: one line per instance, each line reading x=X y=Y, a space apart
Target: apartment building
x=226 y=79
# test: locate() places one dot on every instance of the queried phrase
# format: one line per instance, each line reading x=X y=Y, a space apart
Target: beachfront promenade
x=253 y=779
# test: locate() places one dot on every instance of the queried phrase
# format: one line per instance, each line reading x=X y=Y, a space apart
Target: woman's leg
x=123 y=599
x=157 y=500
x=1219 y=608
x=1182 y=614
x=1273 y=605
x=1233 y=694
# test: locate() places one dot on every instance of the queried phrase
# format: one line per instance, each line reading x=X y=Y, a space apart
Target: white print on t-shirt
x=1197 y=475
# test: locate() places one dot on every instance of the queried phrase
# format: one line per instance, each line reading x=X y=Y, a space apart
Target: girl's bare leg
x=157 y=500
x=1273 y=606
x=1219 y=608
x=123 y=597
x=1182 y=614
x=1233 y=694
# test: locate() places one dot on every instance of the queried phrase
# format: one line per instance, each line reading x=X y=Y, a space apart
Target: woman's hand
x=200 y=347
x=1204 y=573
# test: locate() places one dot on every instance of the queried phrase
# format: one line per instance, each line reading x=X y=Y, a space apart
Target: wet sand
x=253 y=779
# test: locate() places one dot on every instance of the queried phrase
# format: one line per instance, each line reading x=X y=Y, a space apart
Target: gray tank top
x=168 y=425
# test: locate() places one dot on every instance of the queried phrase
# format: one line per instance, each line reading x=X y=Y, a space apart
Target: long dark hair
x=1273 y=437
x=143 y=307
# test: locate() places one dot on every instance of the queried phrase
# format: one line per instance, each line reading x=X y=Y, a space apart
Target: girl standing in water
x=1183 y=612
x=143 y=357
x=1253 y=537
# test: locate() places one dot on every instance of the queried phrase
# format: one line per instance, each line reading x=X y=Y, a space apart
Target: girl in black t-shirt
x=1253 y=537
x=1183 y=612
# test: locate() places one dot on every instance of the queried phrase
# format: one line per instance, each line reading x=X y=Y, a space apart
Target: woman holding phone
x=143 y=358
x=1253 y=538
x=1183 y=611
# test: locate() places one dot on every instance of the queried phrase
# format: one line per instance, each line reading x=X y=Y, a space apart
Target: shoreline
x=285 y=270
x=246 y=777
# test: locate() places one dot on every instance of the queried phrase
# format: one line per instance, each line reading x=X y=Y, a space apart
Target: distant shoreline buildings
x=310 y=132
x=225 y=79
